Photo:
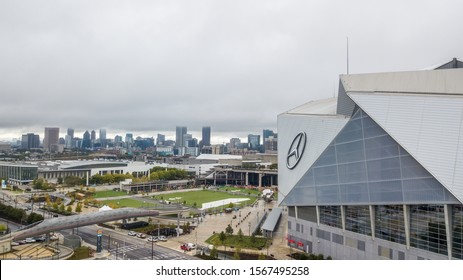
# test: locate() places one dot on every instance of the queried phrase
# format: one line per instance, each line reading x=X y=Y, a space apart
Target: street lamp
x=152 y=245
x=117 y=247
x=249 y=225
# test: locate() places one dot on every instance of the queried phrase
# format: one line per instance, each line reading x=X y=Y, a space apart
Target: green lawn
x=244 y=242
x=201 y=197
x=241 y=190
x=108 y=193
x=126 y=202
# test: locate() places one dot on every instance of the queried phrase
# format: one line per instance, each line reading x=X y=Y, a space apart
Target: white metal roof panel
x=446 y=81
x=426 y=126
x=320 y=131
x=318 y=107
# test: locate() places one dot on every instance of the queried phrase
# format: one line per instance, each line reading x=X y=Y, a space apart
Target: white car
x=152 y=239
x=54 y=237
x=30 y=240
x=162 y=238
x=141 y=235
x=191 y=246
x=132 y=233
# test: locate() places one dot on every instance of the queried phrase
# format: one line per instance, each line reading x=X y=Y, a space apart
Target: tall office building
x=180 y=131
x=71 y=132
x=103 y=137
x=93 y=136
x=51 y=137
x=267 y=133
x=160 y=140
x=30 y=141
x=86 y=141
x=206 y=134
x=253 y=141
x=377 y=173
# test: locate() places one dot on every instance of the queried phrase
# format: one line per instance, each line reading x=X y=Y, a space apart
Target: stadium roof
x=423 y=112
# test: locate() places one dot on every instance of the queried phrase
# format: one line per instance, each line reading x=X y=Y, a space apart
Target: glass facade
x=389 y=221
x=19 y=173
x=358 y=219
x=457 y=217
x=331 y=216
x=427 y=228
x=364 y=165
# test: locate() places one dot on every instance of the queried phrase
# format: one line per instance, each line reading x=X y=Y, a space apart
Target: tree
x=214 y=253
x=61 y=208
x=69 y=209
x=72 y=181
x=240 y=235
x=78 y=208
x=40 y=184
x=55 y=206
x=222 y=238
x=229 y=230
x=33 y=218
x=60 y=180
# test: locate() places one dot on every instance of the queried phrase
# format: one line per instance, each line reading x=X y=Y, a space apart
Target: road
x=122 y=246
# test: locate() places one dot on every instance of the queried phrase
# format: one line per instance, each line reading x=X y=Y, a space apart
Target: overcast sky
x=147 y=66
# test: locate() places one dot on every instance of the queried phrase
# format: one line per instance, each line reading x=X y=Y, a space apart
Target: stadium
x=377 y=172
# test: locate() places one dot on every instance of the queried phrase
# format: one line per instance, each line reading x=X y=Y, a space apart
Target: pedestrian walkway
x=246 y=219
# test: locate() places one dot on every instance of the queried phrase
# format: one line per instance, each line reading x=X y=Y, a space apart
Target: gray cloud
x=148 y=66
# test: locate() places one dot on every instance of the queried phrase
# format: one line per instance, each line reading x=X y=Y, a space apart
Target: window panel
x=389 y=221
x=330 y=216
x=457 y=217
x=381 y=147
x=350 y=152
x=427 y=228
x=384 y=169
x=358 y=219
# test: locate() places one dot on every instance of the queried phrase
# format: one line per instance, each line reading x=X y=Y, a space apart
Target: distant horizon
x=216 y=138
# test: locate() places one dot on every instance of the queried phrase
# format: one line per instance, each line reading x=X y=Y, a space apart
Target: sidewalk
x=218 y=223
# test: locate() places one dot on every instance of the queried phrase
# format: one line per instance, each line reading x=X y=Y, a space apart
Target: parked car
x=54 y=237
x=188 y=246
x=141 y=235
x=152 y=239
x=162 y=238
x=30 y=240
x=132 y=233
x=39 y=239
x=14 y=243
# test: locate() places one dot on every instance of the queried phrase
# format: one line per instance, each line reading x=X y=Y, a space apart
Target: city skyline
x=169 y=135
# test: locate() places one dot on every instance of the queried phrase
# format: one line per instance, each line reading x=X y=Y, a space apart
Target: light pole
x=152 y=245
x=117 y=247
x=249 y=225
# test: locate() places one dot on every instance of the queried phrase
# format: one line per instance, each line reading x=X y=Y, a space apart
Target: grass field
x=108 y=193
x=241 y=190
x=126 y=202
x=201 y=197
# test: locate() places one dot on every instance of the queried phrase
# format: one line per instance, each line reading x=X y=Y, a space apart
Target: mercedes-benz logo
x=296 y=150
